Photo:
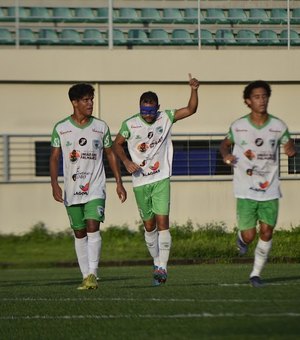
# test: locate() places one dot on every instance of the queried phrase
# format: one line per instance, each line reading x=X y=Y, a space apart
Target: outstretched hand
x=194 y=83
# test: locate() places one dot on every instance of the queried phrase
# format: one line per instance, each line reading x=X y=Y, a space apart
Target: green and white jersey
x=255 y=148
x=150 y=146
x=82 y=150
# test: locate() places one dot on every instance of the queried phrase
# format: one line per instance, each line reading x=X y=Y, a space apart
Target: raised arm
x=113 y=163
x=54 y=162
x=191 y=108
x=130 y=166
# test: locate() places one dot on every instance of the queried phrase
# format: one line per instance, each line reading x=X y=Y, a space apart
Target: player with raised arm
x=148 y=136
x=256 y=138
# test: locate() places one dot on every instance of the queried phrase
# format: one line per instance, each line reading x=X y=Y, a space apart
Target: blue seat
x=137 y=37
x=6 y=37
x=39 y=14
x=84 y=14
x=70 y=36
x=149 y=15
x=206 y=37
x=294 y=37
x=102 y=14
x=93 y=36
x=172 y=15
x=225 y=37
x=127 y=15
x=278 y=16
x=62 y=14
x=191 y=16
x=237 y=16
x=181 y=37
x=159 y=36
x=258 y=16
x=48 y=36
x=215 y=16
x=268 y=37
x=27 y=36
x=246 y=37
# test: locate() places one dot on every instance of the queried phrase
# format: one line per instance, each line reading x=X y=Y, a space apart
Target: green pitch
x=198 y=302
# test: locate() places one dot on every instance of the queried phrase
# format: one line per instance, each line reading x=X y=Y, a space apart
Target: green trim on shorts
x=79 y=213
x=153 y=199
x=250 y=212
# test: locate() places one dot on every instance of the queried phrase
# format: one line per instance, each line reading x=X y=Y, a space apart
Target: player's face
x=84 y=106
x=149 y=118
x=258 y=101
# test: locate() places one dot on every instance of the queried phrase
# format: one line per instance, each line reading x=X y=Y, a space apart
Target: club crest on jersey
x=249 y=154
x=96 y=144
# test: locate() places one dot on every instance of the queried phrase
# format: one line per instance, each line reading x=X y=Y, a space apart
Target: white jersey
x=256 y=150
x=150 y=146
x=82 y=150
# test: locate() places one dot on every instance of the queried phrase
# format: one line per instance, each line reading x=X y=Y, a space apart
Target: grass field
x=198 y=302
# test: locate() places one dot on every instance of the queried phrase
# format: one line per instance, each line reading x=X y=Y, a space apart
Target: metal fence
x=24 y=158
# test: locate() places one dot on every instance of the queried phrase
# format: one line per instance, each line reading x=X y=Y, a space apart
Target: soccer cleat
x=256 y=282
x=160 y=275
x=241 y=246
x=90 y=282
x=155 y=275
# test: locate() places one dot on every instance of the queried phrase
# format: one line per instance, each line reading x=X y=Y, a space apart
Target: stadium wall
x=33 y=95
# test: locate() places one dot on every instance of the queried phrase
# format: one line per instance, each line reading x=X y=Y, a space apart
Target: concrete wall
x=33 y=96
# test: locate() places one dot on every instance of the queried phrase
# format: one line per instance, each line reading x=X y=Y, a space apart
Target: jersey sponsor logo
x=138 y=137
x=272 y=130
x=82 y=141
x=150 y=134
x=272 y=142
x=85 y=187
x=154 y=143
x=270 y=156
x=135 y=126
x=243 y=142
x=74 y=155
x=97 y=131
x=256 y=171
x=64 y=132
x=88 y=155
x=68 y=143
x=241 y=130
x=259 y=142
x=155 y=166
x=249 y=154
x=151 y=173
x=100 y=210
x=143 y=147
x=80 y=175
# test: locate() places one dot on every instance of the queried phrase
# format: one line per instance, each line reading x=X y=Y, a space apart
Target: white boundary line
x=149 y=316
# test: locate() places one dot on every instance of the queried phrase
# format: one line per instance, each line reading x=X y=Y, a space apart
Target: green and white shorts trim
x=249 y=212
x=79 y=213
x=153 y=199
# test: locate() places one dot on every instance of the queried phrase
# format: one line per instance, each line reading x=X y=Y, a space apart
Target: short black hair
x=80 y=90
x=149 y=98
x=255 y=85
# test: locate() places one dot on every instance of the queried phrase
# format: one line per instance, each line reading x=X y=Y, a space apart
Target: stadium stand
x=6 y=37
x=224 y=25
x=48 y=36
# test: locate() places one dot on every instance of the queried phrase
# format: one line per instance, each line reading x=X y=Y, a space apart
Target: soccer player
x=148 y=135
x=256 y=138
x=81 y=138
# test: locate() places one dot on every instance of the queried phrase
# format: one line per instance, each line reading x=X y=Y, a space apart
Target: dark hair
x=255 y=85
x=149 y=98
x=80 y=90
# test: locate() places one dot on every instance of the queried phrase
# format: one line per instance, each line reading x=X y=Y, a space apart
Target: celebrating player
x=81 y=138
x=148 y=135
x=256 y=138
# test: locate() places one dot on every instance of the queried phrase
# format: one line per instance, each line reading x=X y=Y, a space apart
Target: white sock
x=82 y=255
x=151 y=238
x=261 y=255
x=164 y=244
x=94 y=249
